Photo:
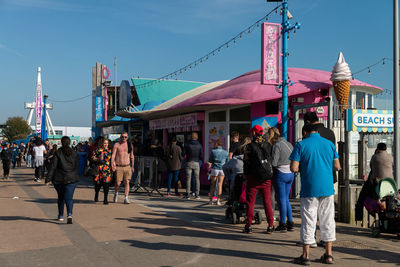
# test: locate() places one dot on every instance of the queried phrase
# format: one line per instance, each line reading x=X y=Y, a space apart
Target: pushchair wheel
x=376 y=232
x=228 y=213
x=234 y=218
x=257 y=217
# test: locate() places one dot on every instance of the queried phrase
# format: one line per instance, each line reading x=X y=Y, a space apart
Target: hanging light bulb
x=383 y=61
x=369 y=71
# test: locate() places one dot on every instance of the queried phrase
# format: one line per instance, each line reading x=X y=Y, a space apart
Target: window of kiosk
x=370 y=101
x=240 y=114
x=360 y=100
x=373 y=141
x=218 y=116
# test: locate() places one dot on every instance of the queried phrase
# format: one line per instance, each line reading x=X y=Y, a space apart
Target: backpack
x=259 y=162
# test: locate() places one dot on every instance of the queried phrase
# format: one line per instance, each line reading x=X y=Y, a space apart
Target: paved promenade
x=154 y=231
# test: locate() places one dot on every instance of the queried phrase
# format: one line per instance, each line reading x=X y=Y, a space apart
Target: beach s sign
x=362 y=120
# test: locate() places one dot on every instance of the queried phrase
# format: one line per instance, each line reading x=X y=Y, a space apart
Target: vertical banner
x=99 y=108
x=38 y=125
x=270 y=53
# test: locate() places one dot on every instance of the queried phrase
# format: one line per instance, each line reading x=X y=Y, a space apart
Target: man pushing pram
x=379 y=194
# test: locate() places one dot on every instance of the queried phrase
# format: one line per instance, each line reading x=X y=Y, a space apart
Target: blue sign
x=264 y=122
x=99 y=108
x=363 y=120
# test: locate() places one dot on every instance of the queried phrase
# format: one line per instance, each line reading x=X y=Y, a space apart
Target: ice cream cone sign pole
x=341 y=77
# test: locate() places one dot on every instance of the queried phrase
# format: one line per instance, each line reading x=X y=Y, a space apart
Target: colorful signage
x=363 y=120
x=182 y=121
x=270 y=53
x=39 y=103
x=99 y=108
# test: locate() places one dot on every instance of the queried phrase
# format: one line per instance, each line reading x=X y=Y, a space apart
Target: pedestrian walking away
x=122 y=162
x=258 y=172
x=315 y=157
x=63 y=174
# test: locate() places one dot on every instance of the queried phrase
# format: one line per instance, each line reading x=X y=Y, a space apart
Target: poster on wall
x=264 y=122
x=217 y=131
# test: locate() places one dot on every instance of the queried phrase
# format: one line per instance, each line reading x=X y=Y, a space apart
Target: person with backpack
x=258 y=172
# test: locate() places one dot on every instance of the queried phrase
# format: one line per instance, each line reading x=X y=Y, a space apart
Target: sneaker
x=186 y=197
x=69 y=220
x=281 y=228
x=218 y=203
x=169 y=194
x=300 y=244
x=197 y=197
x=270 y=229
x=126 y=200
x=105 y=202
x=5 y=177
x=290 y=226
x=247 y=230
x=115 y=197
x=210 y=202
x=60 y=218
x=38 y=180
x=178 y=194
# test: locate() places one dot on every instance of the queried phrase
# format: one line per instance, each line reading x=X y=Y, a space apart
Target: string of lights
x=382 y=60
x=72 y=100
x=214 y=52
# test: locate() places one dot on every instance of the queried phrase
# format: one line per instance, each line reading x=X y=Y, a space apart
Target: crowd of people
x=266 y=160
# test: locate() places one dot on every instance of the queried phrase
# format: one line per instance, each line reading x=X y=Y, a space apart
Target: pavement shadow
x=54 y=201
x=24 y=218
x=378 y=256
x=175 y=227
x=208 y=251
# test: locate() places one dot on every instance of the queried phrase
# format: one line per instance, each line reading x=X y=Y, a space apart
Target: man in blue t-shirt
x=314 y=158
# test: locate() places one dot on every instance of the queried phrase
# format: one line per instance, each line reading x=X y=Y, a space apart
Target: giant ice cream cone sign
x=341 y=77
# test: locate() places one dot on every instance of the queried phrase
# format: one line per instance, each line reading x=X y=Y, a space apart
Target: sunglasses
x=124 y=136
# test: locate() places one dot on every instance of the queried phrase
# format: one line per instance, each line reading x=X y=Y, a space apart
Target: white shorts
x=215 y=172
x=322 y=208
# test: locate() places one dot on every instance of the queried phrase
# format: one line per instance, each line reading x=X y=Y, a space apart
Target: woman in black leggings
x=102 y=156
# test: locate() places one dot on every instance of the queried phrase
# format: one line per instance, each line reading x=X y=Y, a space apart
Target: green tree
x=16 y=128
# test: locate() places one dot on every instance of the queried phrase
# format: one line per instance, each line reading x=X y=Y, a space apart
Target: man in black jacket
x=6 y=156
x=193 y=156
x=311 y=118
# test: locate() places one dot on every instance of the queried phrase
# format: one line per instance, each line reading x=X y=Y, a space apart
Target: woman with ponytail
x=63 y=173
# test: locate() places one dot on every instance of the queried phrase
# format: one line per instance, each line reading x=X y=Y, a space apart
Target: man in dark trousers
x=193 y=156
x=6 y=156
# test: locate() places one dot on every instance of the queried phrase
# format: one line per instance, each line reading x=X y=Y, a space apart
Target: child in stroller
x=237 y=207
x=381 y=197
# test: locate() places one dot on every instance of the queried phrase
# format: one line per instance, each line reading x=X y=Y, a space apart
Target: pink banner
x=39 y=107
x=182 y=121
x=270 y=53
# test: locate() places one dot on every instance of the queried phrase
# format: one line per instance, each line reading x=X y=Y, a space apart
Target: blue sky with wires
x=154 y=37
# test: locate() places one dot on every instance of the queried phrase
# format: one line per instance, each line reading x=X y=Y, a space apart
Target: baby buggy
x=237 y=207
x=389 y=215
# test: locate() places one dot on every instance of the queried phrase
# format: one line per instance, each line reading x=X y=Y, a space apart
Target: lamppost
x=396 y=151
x=286 y=28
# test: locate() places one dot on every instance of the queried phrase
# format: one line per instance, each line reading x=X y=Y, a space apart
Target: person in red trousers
x=258 y=172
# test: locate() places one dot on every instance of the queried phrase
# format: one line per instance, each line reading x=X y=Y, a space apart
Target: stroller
x=237 y=207
x=389 y=217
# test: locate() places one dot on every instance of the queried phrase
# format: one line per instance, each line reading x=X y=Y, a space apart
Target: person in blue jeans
x=218 y=157
x=174 y=155
x=283 y=178
x=63 y=173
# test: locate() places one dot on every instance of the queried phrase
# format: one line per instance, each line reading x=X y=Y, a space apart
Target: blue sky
x=152 y=38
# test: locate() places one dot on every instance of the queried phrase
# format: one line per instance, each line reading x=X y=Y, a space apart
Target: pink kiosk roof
x=247 y=88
